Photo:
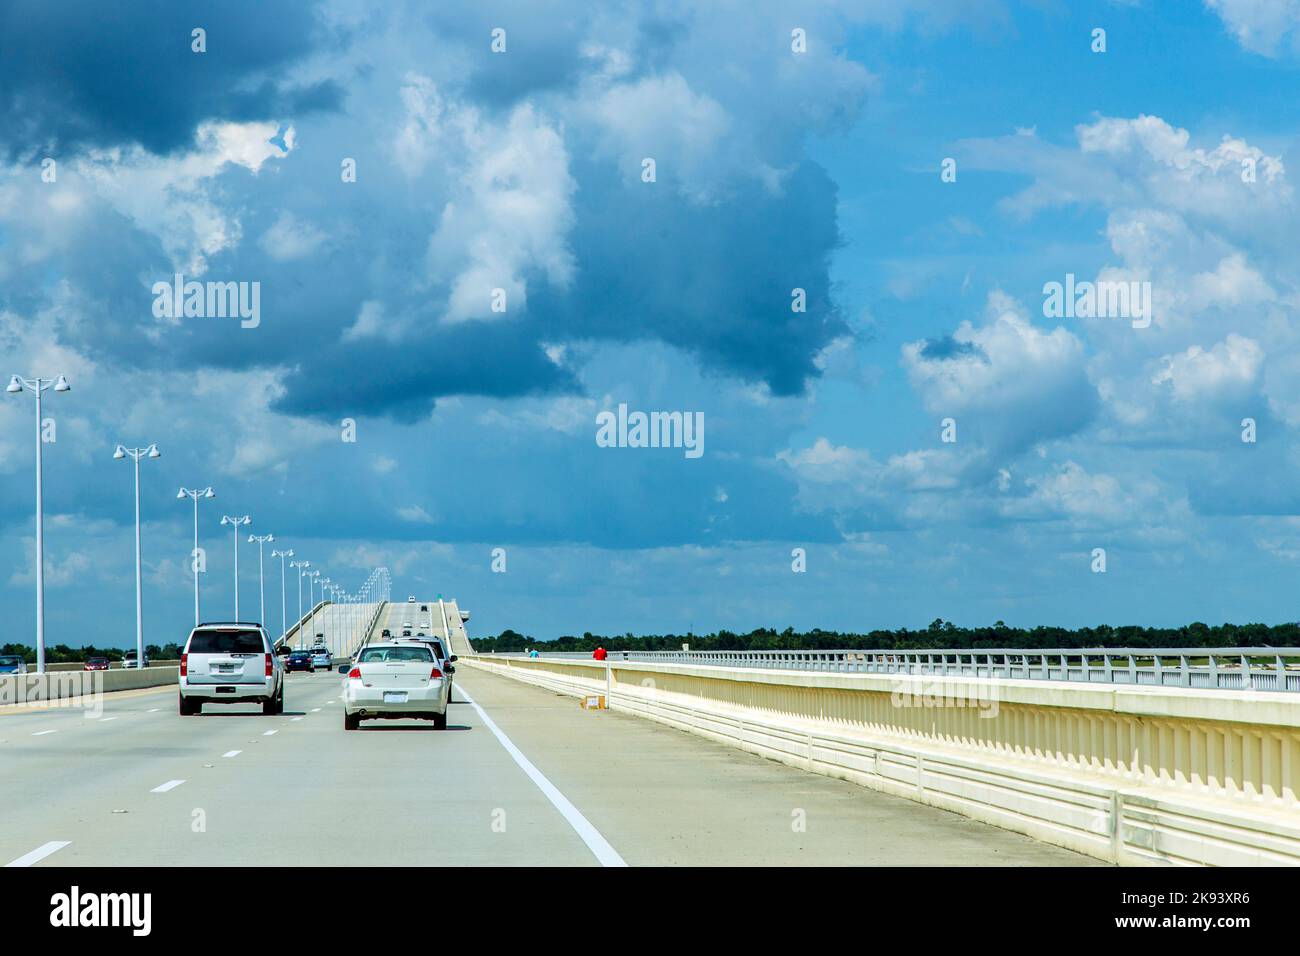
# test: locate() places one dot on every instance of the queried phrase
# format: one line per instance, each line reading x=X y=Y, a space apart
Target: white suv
x=230 y=664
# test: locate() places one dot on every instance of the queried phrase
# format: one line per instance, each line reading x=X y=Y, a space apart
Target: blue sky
x=775 y=169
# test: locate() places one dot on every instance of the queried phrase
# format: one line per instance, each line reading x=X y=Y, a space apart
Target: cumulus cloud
x=292 y=238
x=1006 y=381
x=1138 y=161
x=1261 y=26
x=171 y=196
x=1229 y=369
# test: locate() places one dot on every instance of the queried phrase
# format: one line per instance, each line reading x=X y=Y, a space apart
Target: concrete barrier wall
x=1133 y=775
x=116 y=665
x=25 y=688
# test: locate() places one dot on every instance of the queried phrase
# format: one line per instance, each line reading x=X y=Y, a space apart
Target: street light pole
x=261 y=540
x=37 y=385
x=312 y=575
x=300 y=565
x=284 y=619
x=235 y=522
x=195 y=494
x=324 y=624
x=135 y=454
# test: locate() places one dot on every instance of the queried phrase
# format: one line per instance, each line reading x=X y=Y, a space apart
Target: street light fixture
x=135 y=454
x=38 y=385
x=261 y=584
x=235 y=522
x=284 y=620
x=312 y=575
x=195 y=494
x=324 y=624
x=300 y=565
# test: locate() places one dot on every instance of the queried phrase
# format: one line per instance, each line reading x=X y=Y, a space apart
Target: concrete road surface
x=550 y=785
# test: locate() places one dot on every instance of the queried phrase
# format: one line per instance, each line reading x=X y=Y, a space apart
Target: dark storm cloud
x=947 y=347
x=715 y=280
x=85 y=74
x=402 y=381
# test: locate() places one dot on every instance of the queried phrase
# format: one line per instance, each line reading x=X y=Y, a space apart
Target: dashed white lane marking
x=292 y=719
x=232 y=753
x=40 y=853
x=596 y=843
x=104 y=720
x=268 y=733
x=153 y=710
x=169 y=785
x=315 y=710
x=42 y=733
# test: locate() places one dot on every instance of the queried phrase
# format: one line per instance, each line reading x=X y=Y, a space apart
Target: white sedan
x=396 y=681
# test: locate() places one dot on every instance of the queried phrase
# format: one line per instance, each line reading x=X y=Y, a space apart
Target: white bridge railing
x=1224 y=668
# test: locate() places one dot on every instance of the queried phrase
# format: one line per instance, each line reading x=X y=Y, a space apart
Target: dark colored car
x=299 y=661
x=386 y=633
x=95 y=664
x=424 y=607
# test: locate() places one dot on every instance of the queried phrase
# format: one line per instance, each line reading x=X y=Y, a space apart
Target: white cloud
x=1070 y=491
x=415 y=514
x=1259 y=25
x=170 y=196
x=292 y=238
x=509 y=211
x=1016 y=382
x=1228 y=369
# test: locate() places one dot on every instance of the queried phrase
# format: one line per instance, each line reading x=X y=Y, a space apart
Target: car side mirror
x=450 y=669
x=453 y=658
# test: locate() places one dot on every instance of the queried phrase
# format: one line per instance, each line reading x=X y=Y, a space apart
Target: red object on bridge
x=599 y=653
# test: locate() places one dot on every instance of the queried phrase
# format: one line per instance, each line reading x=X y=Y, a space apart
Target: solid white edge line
x=169 y=785
x=605 y=854
x=40 y=853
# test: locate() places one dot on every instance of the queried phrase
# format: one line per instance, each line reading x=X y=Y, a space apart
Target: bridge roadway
x=142 y=786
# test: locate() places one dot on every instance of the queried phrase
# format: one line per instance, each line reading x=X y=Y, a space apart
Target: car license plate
x=225 y=668
x=394 y=697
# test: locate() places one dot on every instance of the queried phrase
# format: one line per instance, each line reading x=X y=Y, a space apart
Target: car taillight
x=185 y=661
x=435 y=673
x=268 y=665
x=354 y=674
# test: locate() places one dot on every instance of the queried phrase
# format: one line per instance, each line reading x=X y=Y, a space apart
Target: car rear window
x=374 y=655
x=226 y=642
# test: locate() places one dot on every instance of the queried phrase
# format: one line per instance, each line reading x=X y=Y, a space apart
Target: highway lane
x=339 y=624
x=399 y=793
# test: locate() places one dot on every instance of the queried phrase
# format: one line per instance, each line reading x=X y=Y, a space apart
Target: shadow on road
x=415 y=728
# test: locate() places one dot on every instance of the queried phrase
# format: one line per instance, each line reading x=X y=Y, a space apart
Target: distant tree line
x=63 y=654
x=940 y=634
